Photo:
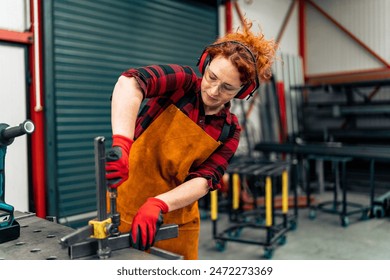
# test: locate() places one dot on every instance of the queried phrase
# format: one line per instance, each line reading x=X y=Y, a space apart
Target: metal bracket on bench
x=90 y=247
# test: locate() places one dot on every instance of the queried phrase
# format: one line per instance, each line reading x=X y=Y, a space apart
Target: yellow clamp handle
x=100 y=228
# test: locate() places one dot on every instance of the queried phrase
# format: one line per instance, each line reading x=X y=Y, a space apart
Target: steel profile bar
x=302 y=35
x=373 y=83
x=100 y=179
x=349 y=76
x=79 y=235
x=90 y=247
x=16 y=37
x=379 y=153
x=360 y=110
x=228 y=16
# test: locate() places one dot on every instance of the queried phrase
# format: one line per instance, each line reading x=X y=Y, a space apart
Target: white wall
x=12 y=113
x=331 y=50
x=268 y=15
x=14 y=15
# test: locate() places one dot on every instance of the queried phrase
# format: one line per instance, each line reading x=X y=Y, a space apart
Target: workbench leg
x=306 y=180
x=320 y=175
x=294 y=180
x=343 y=183
x=372 y=186
x=336 y=187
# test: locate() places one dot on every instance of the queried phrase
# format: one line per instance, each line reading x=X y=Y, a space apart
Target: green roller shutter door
x=87 y=44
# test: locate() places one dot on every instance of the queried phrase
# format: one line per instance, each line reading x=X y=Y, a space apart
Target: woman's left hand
x=146 y=223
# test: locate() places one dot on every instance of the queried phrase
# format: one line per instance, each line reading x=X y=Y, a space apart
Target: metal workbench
x=40 y=240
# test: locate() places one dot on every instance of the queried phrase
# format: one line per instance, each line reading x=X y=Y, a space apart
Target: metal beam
x=16 y=37
x=302 y=35
x=385 y=82
x=380 y=153
x=349 y=76
x=90 y=247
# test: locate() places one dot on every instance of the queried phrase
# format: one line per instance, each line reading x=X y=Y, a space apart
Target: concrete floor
x=321 y=238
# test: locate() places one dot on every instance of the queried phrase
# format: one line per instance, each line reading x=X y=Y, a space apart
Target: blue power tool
x=9 y=227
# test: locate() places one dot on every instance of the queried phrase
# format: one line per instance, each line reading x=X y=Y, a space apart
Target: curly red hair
x=242 y=48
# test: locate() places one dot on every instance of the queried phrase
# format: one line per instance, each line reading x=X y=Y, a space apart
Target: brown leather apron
x=160 y=160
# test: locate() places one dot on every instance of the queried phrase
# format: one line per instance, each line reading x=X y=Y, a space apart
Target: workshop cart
x=262 y=178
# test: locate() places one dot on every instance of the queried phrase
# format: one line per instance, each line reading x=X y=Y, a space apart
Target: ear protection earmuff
x=248 y=89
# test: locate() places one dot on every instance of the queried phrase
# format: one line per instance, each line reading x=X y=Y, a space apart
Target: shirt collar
x=225 y=113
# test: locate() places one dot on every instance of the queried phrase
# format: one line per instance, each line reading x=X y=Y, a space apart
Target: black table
x=337 y=152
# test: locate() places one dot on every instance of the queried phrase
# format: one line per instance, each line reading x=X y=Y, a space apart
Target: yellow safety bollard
x=236 y=191
x=268 y=201
x=214 y=205
x=285 y=192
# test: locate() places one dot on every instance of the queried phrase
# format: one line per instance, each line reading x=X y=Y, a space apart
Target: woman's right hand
x=117 y=161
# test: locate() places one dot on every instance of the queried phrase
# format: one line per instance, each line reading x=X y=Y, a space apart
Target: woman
x=177 y=148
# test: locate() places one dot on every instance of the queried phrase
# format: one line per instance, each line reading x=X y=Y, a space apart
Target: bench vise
x=101 y=236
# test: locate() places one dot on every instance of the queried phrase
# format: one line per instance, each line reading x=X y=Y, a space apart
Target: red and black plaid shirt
x=164 y=85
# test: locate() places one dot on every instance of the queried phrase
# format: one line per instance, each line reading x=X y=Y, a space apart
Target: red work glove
x=147 y=222
x=117 y=161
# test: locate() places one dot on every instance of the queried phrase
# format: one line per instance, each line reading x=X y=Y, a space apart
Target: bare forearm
x=185 y=193
x=126 y=101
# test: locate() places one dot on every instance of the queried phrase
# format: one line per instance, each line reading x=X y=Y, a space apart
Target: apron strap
x=225 y=132
x=189 y=98
x=226 y=129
